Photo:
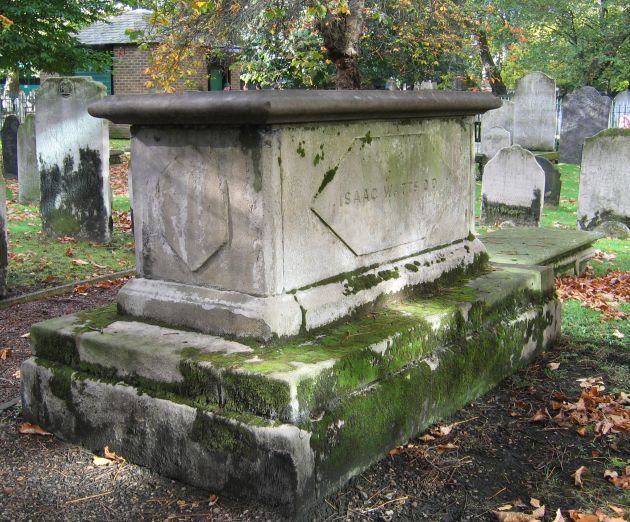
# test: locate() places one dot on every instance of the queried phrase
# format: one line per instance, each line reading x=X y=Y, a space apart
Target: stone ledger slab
x=585 y=112
x=535 y=112
x=9 y=146
x=28 y=178
x=73 y=160
x=284 y=423
x=233 y=223
x=512 y=188
x=603 y=179
x=4 y=242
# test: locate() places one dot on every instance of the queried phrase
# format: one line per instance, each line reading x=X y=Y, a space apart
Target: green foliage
x=41 y=35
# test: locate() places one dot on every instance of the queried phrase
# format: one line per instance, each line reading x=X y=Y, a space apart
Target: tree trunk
x=341 y=33
x=493 y=72
x=13 y=82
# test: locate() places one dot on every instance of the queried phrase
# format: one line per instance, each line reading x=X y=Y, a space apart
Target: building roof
x=113 y=30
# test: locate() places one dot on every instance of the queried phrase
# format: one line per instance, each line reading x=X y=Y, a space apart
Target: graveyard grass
x=37 y=261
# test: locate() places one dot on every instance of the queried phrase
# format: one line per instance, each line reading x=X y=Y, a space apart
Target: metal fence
x=620 y=115
x=19 y=105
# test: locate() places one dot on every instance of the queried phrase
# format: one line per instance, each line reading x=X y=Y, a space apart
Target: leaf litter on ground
x=603 y=293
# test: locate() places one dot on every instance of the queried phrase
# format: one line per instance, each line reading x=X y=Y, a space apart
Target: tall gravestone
x=28 y=178
x=512 y=188
x=604 y=194
x=584 y=113
x=502 y=117
x=553 y=183
x=493 y=140
x=9 y=146
x=4 y=244
x=73 y=160
x=535 y=112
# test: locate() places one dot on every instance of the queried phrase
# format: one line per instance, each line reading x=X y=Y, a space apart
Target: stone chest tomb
x=309 y=293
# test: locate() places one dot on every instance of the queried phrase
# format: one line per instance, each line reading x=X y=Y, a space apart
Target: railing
x=19 y=105
x=620 y=115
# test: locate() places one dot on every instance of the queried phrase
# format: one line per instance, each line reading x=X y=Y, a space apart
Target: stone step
x=290 y=379
x=289 y=465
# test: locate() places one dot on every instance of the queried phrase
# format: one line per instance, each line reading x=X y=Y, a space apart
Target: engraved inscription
x=392 y=192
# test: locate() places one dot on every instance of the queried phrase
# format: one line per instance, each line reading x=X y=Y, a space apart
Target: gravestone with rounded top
x=493 y=140
x=621 y=110
x=553 y=184
x=604 y=194
x=9 y=146
x=28 y=178
x=584 y=113
x=535 y=112
x=73 y=160
x=502 y=117
x=512 y=188
x=4 y=244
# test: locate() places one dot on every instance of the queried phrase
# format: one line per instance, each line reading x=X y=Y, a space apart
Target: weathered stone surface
x=28 y=178
x=252 y=212
x=553 y=183
x=584 y=113
x=4 y=243
x=613 y=229
x=73 y=160
x=502 y=117
x=563 y=250
x=9 y=146
x=277 y=463
x=493 y=140
x=604 y=179
x=535 y=112
x=512 y=188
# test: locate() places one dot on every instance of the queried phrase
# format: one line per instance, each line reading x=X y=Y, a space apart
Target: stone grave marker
x=4 y=244
x=535 y=112
x=512 y=188
x=604 y=191
x=493 y=140
x=73 y=160
x=28 y=178
x=502 y=117
x=553 y=183
x=9 y=146
x=584 y=113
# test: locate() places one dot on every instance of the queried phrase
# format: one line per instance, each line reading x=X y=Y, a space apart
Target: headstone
x=535 y=112
x=512 y=188
x=428 y=85
x=584 y=113
x=28 y=178
x=621 y=110
x=9 y=146
x=553 y=184
x=73 y=160
x=604 y=194
x=4 y=244
x=493 y=140
x=502 y=117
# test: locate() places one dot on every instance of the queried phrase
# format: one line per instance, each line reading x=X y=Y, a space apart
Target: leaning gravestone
x=512 y=188
x=553 y=184
x=584 y=113
x=502 y=117
x=493 y=140
x=9 y=146
x=28 y=174
x=4 y=244
x=73 y=160
x=604 y=194
x=535 y=112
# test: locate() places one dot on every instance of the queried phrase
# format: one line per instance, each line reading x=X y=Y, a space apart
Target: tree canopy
x=39 y=35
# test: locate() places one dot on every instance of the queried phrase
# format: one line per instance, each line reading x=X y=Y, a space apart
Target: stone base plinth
x=289 y=421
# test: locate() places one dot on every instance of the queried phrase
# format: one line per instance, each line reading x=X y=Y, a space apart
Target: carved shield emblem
x=195 y=209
